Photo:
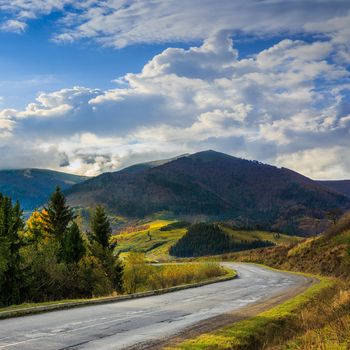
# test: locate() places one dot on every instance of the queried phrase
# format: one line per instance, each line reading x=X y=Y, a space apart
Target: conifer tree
x=101 y=231
x=101 y=227
x=11 y=276
x=73 y=246
x=57 y=215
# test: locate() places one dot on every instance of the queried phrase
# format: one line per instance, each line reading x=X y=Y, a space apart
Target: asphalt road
x=123 y=324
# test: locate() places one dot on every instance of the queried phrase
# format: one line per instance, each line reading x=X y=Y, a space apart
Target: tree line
x=51 y=258
x=209 y=239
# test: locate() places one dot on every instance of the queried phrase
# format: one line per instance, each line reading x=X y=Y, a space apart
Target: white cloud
x=338 y=30
x=120 y=23
x=14 y=26
x=327 y=164
x=284 y=105
x=31 y=9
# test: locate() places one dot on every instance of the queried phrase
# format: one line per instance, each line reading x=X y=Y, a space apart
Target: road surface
x=142 y=321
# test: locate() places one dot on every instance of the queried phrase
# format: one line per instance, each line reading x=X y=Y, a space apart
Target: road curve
x=142 y=321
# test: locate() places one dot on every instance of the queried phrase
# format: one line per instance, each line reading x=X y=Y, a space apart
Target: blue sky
x=32 y=62
x=34 y=58
x=93 y=86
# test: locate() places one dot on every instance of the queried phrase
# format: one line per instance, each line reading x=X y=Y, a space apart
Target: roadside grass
x=46 y=303
x=268 y=328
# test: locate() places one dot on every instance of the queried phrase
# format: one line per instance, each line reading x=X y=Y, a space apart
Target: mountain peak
x=211 y=184
x=209 y=155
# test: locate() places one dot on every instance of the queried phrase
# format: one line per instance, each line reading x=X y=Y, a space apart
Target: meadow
x=150 y=239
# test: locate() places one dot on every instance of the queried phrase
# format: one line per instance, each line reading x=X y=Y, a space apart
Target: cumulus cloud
x=285 y=105
x=337 y=29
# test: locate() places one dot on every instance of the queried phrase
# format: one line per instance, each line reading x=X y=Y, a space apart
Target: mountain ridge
x=215 y=185
x=32 y=187
x=340 y=186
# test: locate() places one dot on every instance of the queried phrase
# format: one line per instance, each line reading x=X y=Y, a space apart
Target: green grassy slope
x=327 y=254
x=242 y=235
x=157 y=245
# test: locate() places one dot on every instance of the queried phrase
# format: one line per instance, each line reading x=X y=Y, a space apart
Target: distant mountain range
x=214 y=185
x=340 y=186
x=32 y=187
x=205 y=184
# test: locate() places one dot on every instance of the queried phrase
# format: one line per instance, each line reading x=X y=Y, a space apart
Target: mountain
x=340 y=186
x=215 y=185
x=137 y=168
x=32 y=187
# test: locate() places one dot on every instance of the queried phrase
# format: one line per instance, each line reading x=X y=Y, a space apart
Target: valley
x=98 y=244
x=174 y=175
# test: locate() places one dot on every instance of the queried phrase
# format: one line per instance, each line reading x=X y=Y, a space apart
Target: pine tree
x=57 y=215
x=101 y=227
x=101 y=231
x=11 y=277
x=73 y=245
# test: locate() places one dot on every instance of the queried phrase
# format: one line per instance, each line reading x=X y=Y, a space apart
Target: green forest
x=209 y=239
x=50 y=258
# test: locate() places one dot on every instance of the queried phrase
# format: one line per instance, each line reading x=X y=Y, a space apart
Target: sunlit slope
x=277 y=238
x=327 y=254
x=149 y=239
x=155 y=243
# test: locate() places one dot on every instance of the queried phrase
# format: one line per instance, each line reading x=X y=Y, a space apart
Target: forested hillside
x=209 y=239
x=341 y=186
x=215 y=185
x=32 y=187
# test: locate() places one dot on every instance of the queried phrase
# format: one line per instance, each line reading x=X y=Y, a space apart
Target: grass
x=268 y=327
x=156 y=246
x=279 y=239
x=322 y=255
x=46 y=303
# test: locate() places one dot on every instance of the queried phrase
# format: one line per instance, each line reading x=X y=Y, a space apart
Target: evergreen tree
x=115 y=269
x=73 y=245
x=101 y=231
x=101 y=227
x=57 y=215
x=11 y=275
